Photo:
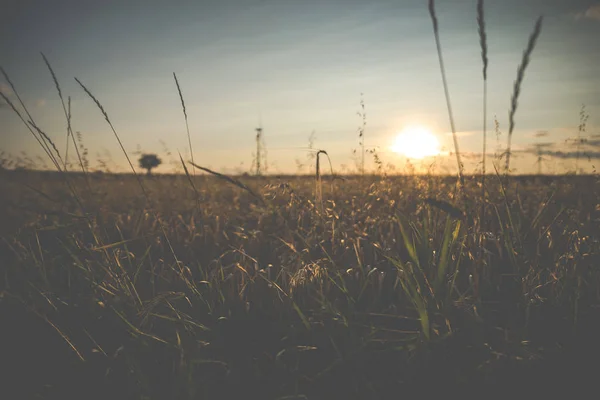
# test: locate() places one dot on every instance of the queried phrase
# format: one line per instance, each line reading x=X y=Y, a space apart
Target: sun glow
x=416 y=142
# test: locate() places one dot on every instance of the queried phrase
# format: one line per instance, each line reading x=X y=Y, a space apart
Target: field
x=359 y=287
x=201 y=285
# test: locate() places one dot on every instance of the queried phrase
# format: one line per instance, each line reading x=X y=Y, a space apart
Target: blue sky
x=299 y=67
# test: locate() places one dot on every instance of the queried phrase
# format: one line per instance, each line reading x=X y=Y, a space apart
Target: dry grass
x=371 y=287
x=187 y=127
x=514 y=101
x=382 y=272
x=436 y=33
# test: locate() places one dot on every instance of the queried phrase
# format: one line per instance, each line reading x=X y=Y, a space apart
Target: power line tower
x=258 y=149
x=540 y=158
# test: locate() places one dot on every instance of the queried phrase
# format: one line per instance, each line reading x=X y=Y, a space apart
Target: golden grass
x=265 y=287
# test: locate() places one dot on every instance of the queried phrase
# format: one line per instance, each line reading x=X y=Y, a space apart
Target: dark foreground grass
x=377 y=293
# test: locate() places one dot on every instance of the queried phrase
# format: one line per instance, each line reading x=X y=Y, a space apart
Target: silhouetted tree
x=149 y=161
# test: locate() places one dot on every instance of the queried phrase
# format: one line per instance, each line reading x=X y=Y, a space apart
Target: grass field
x=207 y=286
x=367 y=288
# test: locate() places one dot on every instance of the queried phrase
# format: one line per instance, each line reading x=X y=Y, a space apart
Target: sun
x=416 y=142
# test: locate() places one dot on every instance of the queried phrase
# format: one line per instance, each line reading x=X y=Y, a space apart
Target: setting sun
x=416 y=142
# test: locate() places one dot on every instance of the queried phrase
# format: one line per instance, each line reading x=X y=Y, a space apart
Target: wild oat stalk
x=190 y=180
x=187 y=127
x=498 y=150
x=514 y=102
x=436 y=33
x=62 y=102
x=190 y=284
x=48 y=145
x=87 y=91
x=67 y=112
x=231 y=180
x=361 y=133
x=47 y=139
x=484 y=58
x=43 y=141
x=583 y=117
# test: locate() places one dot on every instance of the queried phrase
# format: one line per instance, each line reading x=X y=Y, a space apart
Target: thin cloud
x=571 y=155
x=540 y=134
x=543 y=145
x=592 y=13
x=538 y=148
x=591 y=142
x=546 y=149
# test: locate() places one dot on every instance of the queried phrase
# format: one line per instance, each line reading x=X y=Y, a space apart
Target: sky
x=298 y=69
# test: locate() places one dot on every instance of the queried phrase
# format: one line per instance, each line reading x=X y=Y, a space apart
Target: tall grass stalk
x=583 y=117
x=141 y=184
x=361 y=133
x=67 y=112
x=48 y=140
x=484 y=58
x=319 y=183
x=233 y=181
x=436 y=33
x=190 y=180
x=514 y=102
x=187 y=127
x=43 y=140
x=99 y=105
x=62 y=102
x=47 y=145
